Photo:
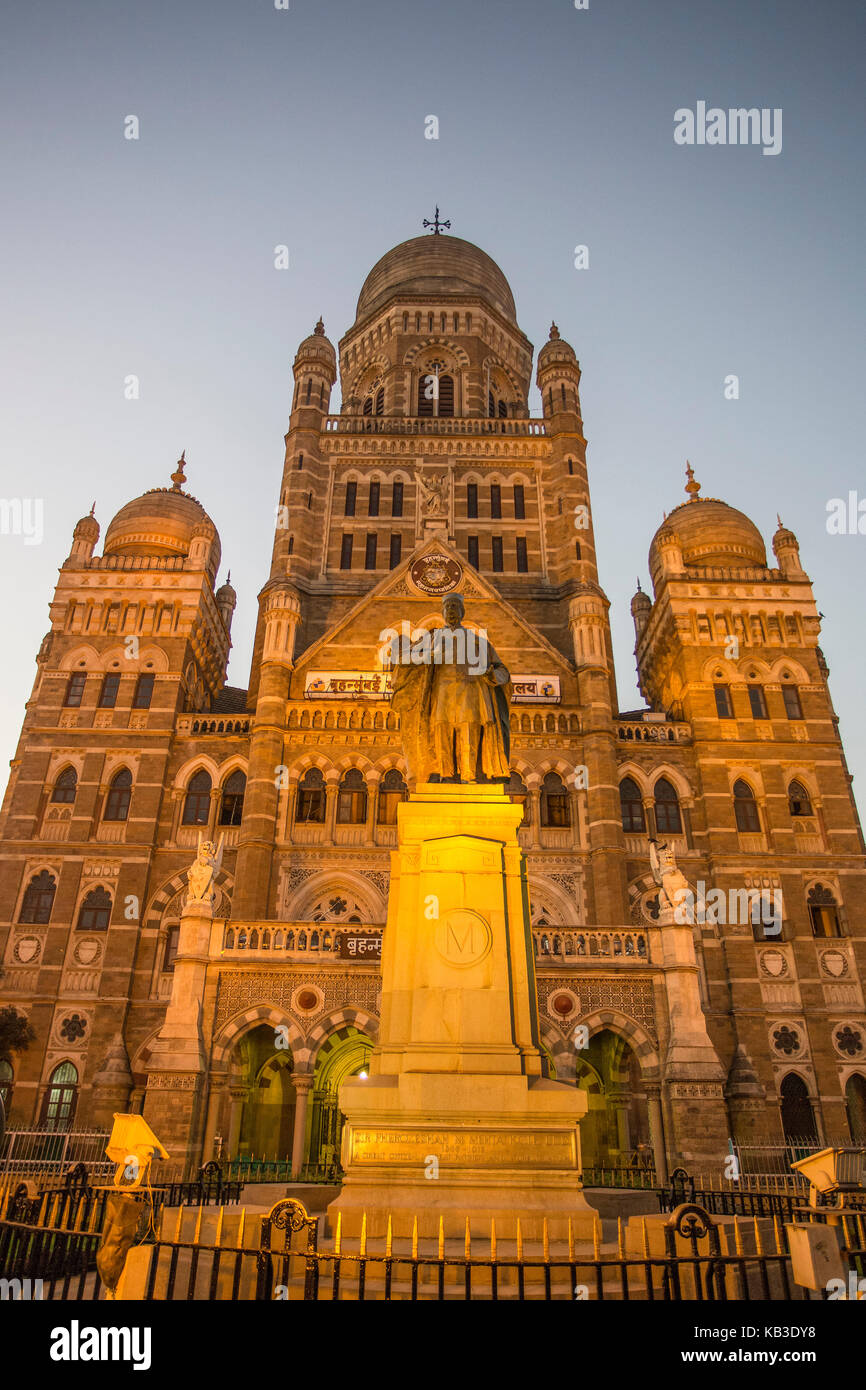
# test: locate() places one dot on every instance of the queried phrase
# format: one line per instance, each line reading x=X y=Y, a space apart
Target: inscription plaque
x=482 y=1148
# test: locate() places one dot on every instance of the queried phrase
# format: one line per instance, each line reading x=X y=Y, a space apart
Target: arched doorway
x=264 y=1079
x=855 y=1105
x=798 y=1117
x=344 y=1053
x=615 y=1130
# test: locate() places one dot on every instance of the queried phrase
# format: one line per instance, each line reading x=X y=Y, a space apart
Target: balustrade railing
x=445 y=424
x=289 y=939
x=581 y=944
x=637 y=731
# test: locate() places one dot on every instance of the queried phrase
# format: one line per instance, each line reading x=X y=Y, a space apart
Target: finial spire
x=319 y=329
x=229 y=580
x=93 y=511
x=639 y=589
x=435 y=224
x=178 y=478
x=779 y=519
x=554 y=332
x=692 y=488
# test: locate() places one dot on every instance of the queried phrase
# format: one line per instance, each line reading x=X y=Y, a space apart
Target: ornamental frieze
x=243 y=989
x=633 y=997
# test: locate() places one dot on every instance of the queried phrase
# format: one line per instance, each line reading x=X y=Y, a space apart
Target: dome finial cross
x=435 y=224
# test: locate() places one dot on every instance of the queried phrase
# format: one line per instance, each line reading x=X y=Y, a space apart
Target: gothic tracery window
x=631 y=805
x=746 y=809
x=119 y=794
x=95 y=911
x=66 y=785
x=667 y=808
x=196 y=804
x=38 y=899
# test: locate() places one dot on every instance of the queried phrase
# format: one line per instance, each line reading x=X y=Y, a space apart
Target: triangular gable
x=396 y=585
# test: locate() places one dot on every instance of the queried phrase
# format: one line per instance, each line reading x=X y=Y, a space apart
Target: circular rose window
x=307 y=999
x=562 y=1004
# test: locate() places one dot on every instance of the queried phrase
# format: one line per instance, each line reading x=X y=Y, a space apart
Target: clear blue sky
x=305 y=126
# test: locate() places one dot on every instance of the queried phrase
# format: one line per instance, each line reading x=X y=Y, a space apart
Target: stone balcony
x=581 y=946
x=289 y=942
x=301 y=942
x=653 y=731
x=446 y=424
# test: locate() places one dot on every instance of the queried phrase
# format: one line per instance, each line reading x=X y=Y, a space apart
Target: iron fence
x=35 y=1152
x=695 y=1261
x=641 y=1176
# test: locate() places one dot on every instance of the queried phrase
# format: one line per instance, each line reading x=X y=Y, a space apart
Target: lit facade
x=432 y=478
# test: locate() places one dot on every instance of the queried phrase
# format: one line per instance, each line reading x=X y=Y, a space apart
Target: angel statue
x=203 y=870
x=433 y=501
x=674 y=891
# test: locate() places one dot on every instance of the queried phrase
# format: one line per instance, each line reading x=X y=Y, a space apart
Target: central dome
x=435 y=266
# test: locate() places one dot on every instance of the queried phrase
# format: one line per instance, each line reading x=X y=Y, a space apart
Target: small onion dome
x=226 y=594
x=317 y=347
x=556 y=349
x=782 y=537
x=641 y=603
x=87 y=529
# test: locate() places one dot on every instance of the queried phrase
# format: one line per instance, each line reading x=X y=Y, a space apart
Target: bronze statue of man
x=452 y=698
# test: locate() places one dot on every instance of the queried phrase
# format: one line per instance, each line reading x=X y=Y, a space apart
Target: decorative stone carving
x=203 y=871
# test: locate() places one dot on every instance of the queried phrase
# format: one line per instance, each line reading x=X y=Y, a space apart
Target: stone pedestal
x=457 y=1117
x=693 y=1077
x=174 y=1098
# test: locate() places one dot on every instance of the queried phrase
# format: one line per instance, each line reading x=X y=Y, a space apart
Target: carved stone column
x=535 y=816
x=303 y=1085
x=657 y=1133
x=217 y=1094
x=331 y=792
x=238 y=1097
x=372 y=811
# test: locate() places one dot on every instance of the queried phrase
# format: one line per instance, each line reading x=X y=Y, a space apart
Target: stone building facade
x=432 y=478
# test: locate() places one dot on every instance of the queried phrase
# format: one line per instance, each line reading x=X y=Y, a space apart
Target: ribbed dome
x=435 y=266
x=711 y=534
x=160 y=522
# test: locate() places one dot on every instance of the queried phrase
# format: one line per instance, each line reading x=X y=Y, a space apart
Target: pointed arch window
x=232 y=799
x=555 y=811
x=311 y=797
x=66 y=785
x=667 y=807
x=352 y=799
x=392 y=790
x=196 y=804
x=631 y=806
x=798 y=1117
x=95 y=911
x=119 y=794
x=746 y=809
x=58 y=1107
x=38 y=899
x=823 y=911
x=799 y=801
